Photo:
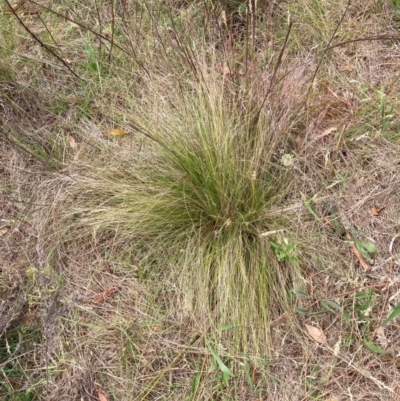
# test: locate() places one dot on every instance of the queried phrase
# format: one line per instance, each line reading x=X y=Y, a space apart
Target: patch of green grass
x=16 y=347
x=377 y=112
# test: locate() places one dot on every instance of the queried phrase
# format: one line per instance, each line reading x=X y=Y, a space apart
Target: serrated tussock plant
x=201 y=199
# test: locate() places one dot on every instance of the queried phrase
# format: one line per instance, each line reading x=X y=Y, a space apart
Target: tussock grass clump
x=202 y=200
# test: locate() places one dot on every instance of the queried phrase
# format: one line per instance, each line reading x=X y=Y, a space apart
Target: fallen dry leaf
x=326 y=132
x=226 y=70
x=346 y=68
x=360 y=258
x=336 y=348
x=3 y=230
x=104 y=295
x=377 y=212
x=374 y=212
x=101 y=396
x=317 y=334
x=381 y=337
x=72 y=143
x=255 y=375
x=157 y=328
x=116 y=132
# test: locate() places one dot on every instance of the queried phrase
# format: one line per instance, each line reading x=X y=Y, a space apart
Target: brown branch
x=88 y=28
x=365 y=39
x=36 y=38
x=272 y=82
x=83 y=26
x=324 y=51
x=112 y=30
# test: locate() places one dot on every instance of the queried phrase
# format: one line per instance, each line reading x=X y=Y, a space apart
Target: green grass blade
x=375 y=348
x=226 y=373
x=331 y=306
x=393 y=315
x=195 y=385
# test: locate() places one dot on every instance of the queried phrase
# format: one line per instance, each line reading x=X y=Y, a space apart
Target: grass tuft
x=204 y=200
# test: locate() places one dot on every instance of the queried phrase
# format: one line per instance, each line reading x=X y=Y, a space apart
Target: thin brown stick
x=83 y=26
x=328 y=47
x=274 y=74
x=100 y=21
x=48 y=48
x=112 y=29
x=365 y=39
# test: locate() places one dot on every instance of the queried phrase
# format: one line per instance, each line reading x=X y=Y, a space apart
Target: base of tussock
x=136 y=267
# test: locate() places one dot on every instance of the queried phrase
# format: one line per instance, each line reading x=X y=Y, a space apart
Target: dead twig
x=46 y=47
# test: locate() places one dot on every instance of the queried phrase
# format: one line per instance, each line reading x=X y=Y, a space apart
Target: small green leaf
x=362 y=295
x=374 y=348
x=300 y=293
x=318 y=313
x=346 y=316
x=301 y=310
x=226 y=373
x=331 y=306
x=196 y=383
x=371 y=248
x=347 y=340
x=309 y=204
x=366 y=248
x=393 y=315
x=365 y=306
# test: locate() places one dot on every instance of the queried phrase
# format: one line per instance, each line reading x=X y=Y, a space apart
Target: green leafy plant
x=331 y=306
x=217 y=362
x=95 y=59
x=284 y=250
x=364 y=302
